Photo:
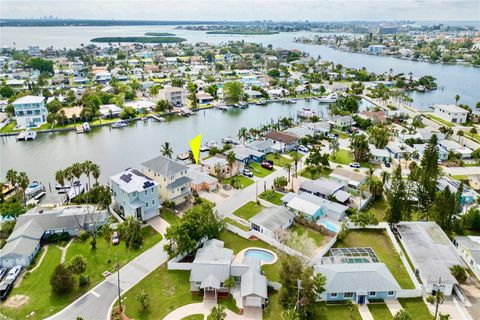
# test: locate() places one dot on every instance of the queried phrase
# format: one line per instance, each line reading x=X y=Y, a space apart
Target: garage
x=253 y=302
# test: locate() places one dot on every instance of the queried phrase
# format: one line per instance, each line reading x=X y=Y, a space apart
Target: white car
x=355 y=165
x=303 y=149
x=13 y=273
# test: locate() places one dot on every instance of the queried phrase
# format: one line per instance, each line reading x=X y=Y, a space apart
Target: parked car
x=269 y=161
x=13 y=273
x=115 y=238
x=332 y=136
x=309 y=147
x=5 y=289
x=387 y=164
x=303 y=149
x=247 y=173
x=355 y=165
x=267 y=165
x=3 y=272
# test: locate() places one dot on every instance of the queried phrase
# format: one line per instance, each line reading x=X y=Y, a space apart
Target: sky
x=246 y=10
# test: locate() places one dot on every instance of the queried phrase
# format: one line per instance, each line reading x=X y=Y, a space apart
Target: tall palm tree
x=60 y=177
x=385 y=177
x=287 y=167
x=69 y=175
x=23 y=182
x=11 y=177
x=167 y=150
x=218 y=172
x=243 y=134
x=87 y=169
x=231 y=160
x=96 y=172
x=334 y=146
x=77 y=170
x=296 y=158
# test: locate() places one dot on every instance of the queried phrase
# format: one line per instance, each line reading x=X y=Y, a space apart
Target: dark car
x=387 y=164
x=267 y=165
x=269 y=161
x=3 y=272
x=5 y=289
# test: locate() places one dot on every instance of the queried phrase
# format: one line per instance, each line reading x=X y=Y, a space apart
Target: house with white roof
x=326 y=189
x=450 y=145
x=141 y=106
x=135 y=195
x=30 y=111
x=469 y=250
x=451 y=113
x=349 y=178
x=272 y=220
x=468 y=195
x=420 y=149
x=109 y=111
x=200 y=180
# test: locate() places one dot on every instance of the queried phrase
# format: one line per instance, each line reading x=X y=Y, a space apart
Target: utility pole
x=118 y=286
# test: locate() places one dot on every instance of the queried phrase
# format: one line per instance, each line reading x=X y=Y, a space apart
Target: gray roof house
x=272 y=220
x=214 y=263
x=325 y=188
x=469 y=249
x=38 y=223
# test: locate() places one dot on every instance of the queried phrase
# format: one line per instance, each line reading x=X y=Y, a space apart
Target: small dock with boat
x=27 y=135
x=158 y=118
x=84 y=127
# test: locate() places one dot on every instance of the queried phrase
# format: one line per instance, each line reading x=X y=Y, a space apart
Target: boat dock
x=79 y=129
x=26 y=135
x=183 y=156
x=158 y=118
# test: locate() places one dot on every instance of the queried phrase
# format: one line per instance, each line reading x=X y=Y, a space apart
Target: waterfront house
x=219 y=160
x=172 y=179
x=109 y=111
x=320 y=127
x=204 y=98
x=469 y=250
x=342 y=122
x=175 y=95
x=201 y=181
x=30 y=111
x=271 y=221
x=357 y=282
x=285 y=141
x=265 y=146
x=141 y=106
x=450 y=113
x=349 y=178
x=40 y=223
x=246 y=154
x=135 y=194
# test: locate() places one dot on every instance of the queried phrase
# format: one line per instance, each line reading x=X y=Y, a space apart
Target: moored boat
x=34 y=188
x=75 y=191
x=332 y=97
x=119 y=124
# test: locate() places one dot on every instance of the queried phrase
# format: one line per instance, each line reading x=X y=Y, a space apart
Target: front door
x=361 y=299
x=139 y=213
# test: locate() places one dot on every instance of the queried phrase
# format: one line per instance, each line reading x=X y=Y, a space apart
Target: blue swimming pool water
x=329 y=226
x=260 y=254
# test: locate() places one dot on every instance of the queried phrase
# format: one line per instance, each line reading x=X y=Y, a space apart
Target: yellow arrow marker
x=195 y=147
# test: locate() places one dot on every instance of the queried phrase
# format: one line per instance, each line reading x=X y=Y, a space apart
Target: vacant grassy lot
x=169 y=216
x=378 y=208
x=37 y=285
x=416 y=308
x=168 y=290
x=277 y=159
x=343 y=157
x=259 y=171
x=241 y=182
x=248 y=210
x=379 y=241
x=314 y=174
x=379 y=311
x=272 y=197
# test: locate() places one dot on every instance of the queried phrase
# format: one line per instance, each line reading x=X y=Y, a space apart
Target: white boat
x=332 y=97
x=262 y=101
x=291 y=101
x=212 y=144
x=75 y=191
x=86 y=127
x=27 y=135
x=34 y=188
x=204 y=148
x=306 y=113
x=243 y=105
x=63 y=188
x=119 y=124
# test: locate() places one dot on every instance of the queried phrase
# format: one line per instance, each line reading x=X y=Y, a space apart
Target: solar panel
x=126 y=177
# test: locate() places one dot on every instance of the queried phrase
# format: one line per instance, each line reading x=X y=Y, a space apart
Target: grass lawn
x=379 y=207
x=229 y=303
x=259 y=171
x=445 y=123
x=272 y=197
x=236 y=224
x=37 y=284
x=336 y=312
x=241 y=182
x=274 y=310
x=9 y=127
x=237 y=243
x=316 y=236
x=248 y=210
x=341 y=134
x=379 y=241
x=169 y=216
x=379 y=311
x=291 y=153
x=314 y=174
x=168 y=290
x=277 y=159
x=343 y=157
x=416 y=308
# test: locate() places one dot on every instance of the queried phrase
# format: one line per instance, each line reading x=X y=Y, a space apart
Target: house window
x=146 y=191
x=390 y=293
x=333 y=294
x=198 y=283
x=348 y=295
x=372 y=293
x=153 y=202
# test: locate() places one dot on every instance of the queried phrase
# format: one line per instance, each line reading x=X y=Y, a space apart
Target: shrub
x=61 y=280
x=430 y=299
x=78 y=264
x=144 y=299
x=84 y=235
x=83 y=280
x=58 y=237
x=459 y=273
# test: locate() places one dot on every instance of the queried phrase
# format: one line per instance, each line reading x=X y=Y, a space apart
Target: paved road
x=95 y=304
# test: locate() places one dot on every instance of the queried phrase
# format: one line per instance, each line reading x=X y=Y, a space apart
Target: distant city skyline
x=216 y=10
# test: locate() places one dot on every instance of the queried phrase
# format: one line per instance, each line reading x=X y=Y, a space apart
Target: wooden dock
x=79 y=129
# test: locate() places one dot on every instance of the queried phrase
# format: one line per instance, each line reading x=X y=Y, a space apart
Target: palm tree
x=296 y=158
x=95 y=172
x=287 y=167
x=77 y=170
x=218 y=172
x=217 y=313
x=334 y=146
x=60 y=177
x=243 y=134
x=167 y=150
x=385 y=177
x=87 y=169
x=23 y=182
x=11 y=177
x=231 y=160
x=457 y=97
x=69 y=175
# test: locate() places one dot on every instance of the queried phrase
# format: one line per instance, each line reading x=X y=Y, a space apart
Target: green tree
x=42 y=65
x=296 y=157
x=167 y=150
x=378 y=136
x=217 y=313
x=233 y=91
x=397 y=198
x=144 y=299
x=402 y=315
x=334 y=146
x=61 y=280
x=192 y=94
x=243 y=134
x=459 y=273
x=12 y=209
x=446 y=206
x=231 y=158
x=429 y=173
x=229 y=283
x=6 y=91
x=128 y=113
x=197 y=223
x=359 y=146
x=363 y=219
x=23 y=182
x=163 y=105
x=132 y=233
x=78 y=264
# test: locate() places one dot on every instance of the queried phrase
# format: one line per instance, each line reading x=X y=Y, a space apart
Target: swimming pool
x=262 y=255
x=330 y=226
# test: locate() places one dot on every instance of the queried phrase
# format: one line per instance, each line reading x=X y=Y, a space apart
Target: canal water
x=117 y=149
